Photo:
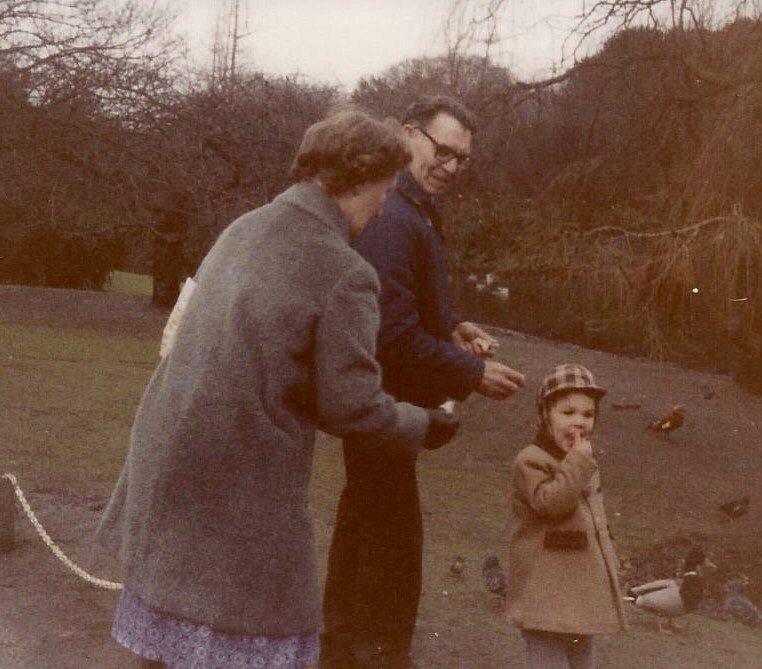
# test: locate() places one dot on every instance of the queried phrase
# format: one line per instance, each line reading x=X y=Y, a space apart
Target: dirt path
x=50 y=618
x=53 y=620
x=656 y=489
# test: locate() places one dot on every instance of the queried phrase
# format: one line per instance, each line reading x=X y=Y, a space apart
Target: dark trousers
x=374 y=566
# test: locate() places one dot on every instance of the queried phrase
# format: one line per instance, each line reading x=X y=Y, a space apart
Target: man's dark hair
x=423 y=110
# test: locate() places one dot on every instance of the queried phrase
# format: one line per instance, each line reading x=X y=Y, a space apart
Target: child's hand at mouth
x=581 y=443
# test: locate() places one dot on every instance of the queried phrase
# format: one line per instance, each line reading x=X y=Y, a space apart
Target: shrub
x=54 y=259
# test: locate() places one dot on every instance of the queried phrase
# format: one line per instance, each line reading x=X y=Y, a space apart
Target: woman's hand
x=442 y=428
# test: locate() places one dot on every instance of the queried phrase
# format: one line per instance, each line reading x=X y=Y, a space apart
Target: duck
x=671 y=598
x=494 y=577
x=735 y=508
x=673 y=420
x=456 y=567
x=501 y=292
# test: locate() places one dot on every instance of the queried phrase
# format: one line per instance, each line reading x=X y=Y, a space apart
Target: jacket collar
x=548 y=444
x=426 y=204
x=315 y=200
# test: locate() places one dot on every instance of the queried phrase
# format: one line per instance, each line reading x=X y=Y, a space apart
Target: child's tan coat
x=562 y=568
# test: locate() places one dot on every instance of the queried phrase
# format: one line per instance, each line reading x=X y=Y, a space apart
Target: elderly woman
x=278 y=338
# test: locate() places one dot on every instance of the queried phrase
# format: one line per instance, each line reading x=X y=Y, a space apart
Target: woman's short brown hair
x=350 y=148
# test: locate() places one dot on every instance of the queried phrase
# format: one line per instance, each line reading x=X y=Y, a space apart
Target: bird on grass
x=673 y=420
x=494 y=577
x=735 y=508
x=738 y=605
x=456 y=568
x=671 y=598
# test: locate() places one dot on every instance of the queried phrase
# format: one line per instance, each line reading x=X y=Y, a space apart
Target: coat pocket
x=565 y=540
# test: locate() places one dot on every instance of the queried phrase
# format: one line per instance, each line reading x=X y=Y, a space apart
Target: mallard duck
x=670 y=597
x=671 y=421
x=736 y=508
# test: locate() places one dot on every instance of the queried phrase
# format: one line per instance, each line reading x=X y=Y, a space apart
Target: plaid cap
x=568 y=377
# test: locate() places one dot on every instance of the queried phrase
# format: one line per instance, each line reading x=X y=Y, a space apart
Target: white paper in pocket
x=170 y=329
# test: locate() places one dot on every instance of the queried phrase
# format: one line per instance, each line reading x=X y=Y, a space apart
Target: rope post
x=7 y=515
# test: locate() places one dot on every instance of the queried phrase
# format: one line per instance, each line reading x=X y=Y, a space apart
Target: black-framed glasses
x=444 y=154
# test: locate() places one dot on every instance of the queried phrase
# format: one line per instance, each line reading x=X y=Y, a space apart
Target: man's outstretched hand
x=442 y=428
x=499 y=381
x=472 y=338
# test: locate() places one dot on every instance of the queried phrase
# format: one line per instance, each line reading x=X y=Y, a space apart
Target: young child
x=562 y=568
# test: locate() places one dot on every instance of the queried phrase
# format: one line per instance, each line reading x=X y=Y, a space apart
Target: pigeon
x=494 y=577
x=738 y=606
x=456 y=568
x=672 y=597
x=673 y=420
x=735 y=508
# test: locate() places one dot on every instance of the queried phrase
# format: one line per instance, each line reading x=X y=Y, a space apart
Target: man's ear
x=409 y=129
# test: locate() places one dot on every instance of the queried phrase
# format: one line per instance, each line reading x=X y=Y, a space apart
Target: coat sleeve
x=553 y=493
x=350 y=399
x=404 y=344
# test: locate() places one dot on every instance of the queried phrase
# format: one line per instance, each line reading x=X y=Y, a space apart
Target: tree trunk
x=168 y=257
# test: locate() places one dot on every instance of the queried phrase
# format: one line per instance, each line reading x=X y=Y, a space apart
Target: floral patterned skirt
x=181 y=644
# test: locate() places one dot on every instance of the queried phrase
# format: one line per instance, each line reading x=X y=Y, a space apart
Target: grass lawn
x=69 y=395
x=68 y=403
x=129 y=283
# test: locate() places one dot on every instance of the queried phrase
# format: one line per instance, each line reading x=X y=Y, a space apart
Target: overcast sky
x=338 y=41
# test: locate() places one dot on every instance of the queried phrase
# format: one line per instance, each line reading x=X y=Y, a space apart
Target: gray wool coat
x=278 y=337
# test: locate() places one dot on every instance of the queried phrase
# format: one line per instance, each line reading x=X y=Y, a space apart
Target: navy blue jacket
x=420 y=362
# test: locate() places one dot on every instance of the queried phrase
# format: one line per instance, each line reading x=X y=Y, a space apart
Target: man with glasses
x=428 y=355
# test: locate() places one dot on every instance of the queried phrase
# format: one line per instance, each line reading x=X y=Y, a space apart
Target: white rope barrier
x=100 y=582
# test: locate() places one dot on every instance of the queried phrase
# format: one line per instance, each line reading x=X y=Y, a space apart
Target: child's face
x=573 y=412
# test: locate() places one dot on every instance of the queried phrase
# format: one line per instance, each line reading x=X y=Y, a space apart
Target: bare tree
x=471 y=30
x=227 y=41
x=84 y=75
x=61 y=46
x=679 y=15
